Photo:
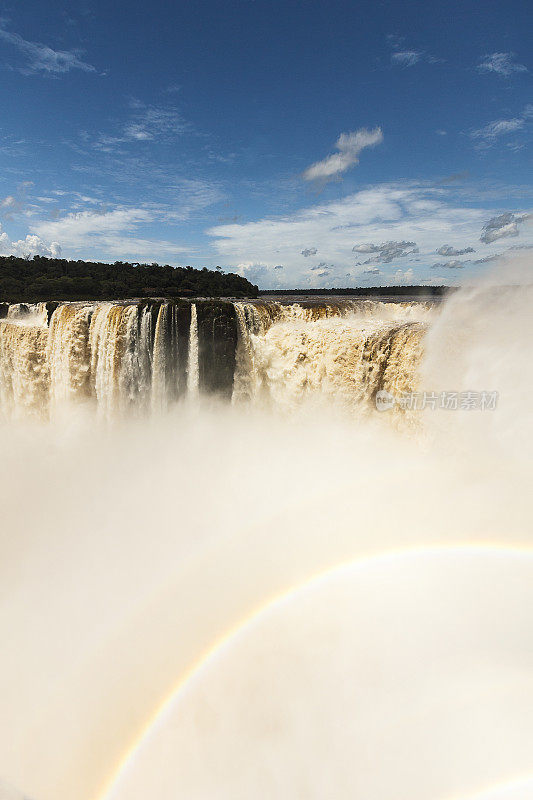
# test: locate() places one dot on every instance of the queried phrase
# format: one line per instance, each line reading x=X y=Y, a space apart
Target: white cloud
x=501 y=64
x=39 y=58
x=32 y=245
x=501 y=227
x=309 y=251
x=348 y=146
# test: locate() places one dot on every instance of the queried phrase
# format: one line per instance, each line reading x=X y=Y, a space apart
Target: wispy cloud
x=106 y=234
x=40 y=59
x=500 y=127
x=403 y=56
x=348 y=147
x=154 y=122
x=309 y=251
x=406 y=58
x=488 y=135
x=13 y=204
x=501 y=64
x=146 y=123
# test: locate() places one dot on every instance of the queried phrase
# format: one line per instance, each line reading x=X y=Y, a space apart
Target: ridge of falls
x=137 y=357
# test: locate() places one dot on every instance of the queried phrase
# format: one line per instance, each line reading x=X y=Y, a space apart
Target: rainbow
x=315 y=581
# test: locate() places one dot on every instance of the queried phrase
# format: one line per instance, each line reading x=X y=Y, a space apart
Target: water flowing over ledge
x=142 y=356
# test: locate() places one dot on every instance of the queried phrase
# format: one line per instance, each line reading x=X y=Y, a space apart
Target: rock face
x=217 y=343
x=50 y=308
x=4 y=308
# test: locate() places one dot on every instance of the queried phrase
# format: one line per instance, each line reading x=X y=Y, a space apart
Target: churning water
x=225 y=574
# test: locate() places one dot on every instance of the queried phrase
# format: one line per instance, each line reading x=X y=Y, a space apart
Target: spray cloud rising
x=225 y=574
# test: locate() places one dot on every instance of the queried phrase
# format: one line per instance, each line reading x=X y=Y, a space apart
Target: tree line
x=41 y=278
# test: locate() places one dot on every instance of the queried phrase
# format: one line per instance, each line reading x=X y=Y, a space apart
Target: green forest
x=40 y=278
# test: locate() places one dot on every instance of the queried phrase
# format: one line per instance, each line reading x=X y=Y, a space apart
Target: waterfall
x=68 y=354
x=159 y=364
x=24 y=371
x=193 y=367
x=139 y=357
x=112 y=341
x=342 y=352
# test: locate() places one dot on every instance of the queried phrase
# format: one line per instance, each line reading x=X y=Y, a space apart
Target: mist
x=361 y=580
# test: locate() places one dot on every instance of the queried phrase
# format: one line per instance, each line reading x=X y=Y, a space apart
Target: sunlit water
x=272 y=591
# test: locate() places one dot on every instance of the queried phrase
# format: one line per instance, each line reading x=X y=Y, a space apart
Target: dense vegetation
x=368 y=291
x=40 y=278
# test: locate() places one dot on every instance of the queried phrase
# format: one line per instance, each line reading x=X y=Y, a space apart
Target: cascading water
x=193 y=367
x=317 y=352
x=217 y=600
x=68 y=354
x=159 y=364
x=131 y=357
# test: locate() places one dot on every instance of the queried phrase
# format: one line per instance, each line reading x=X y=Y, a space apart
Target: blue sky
x=298 y=143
